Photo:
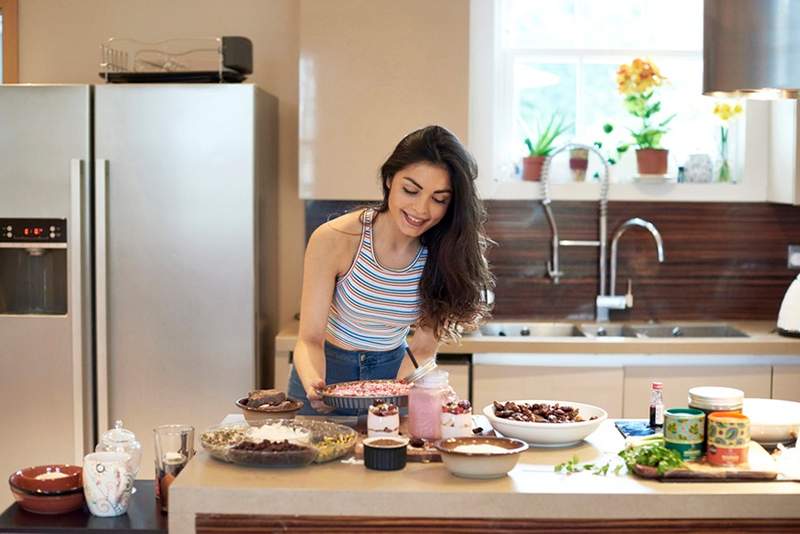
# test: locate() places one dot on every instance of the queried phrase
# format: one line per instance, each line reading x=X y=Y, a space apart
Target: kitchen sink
x=677 y=330
x=608 y=330
x=667 y=330
x=529 y=329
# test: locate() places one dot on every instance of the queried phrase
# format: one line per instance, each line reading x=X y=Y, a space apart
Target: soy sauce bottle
x=656 y=405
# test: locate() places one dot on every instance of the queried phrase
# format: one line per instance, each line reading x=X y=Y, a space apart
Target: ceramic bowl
x=385 y=453
x=59 y=503
x=257 y=417
x=36 y=479
x=549 y=434
x=772 y=421
x=490 y=464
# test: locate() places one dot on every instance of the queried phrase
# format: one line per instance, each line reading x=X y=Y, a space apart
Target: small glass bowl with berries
x=383 y=419
x=456 y=419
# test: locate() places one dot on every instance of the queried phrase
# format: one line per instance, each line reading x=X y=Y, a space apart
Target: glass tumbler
x=174 y=449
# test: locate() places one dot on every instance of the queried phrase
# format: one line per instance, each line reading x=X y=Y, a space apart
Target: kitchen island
x=214 y=496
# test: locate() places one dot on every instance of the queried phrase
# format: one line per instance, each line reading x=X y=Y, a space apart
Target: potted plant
x=544 y=145
x=638 y=82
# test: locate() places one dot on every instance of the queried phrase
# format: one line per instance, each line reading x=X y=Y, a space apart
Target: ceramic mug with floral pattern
x=684 y=431
x=728 y=438
x=107 y=483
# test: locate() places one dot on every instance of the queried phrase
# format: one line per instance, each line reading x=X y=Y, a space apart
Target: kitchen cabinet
x=786 y=382
x=458 y=369
x=600 y=386
x=784 y=153
x=755 y=381
x=369 y=74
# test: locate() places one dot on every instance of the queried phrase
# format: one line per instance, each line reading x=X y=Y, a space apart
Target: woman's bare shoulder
x=349 y=224
x=339 y=237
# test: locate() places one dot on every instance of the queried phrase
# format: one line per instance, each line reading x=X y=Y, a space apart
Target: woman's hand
x=314 y=394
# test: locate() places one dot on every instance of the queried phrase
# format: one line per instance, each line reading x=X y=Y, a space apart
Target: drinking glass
x=174 y=449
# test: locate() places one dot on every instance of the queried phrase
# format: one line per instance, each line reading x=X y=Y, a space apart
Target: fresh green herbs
x=573 y=465
x=651 y=453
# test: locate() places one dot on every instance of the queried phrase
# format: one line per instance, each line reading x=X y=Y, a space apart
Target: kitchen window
x=8 y=41
x=531 y=58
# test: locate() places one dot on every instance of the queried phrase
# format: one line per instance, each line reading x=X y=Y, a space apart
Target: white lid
x=715 y=397
x=433 y=379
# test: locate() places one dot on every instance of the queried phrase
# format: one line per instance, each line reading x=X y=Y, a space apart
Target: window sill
x=642 y=191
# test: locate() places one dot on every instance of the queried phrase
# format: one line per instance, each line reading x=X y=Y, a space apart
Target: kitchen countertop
x=532 y=491
x=762 y=340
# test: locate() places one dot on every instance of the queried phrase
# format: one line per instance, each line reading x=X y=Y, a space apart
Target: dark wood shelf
x=143 y=517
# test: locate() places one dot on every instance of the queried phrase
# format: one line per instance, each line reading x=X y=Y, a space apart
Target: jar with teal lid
x=684 y=432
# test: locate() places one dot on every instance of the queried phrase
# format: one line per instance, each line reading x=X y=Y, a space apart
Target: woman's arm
x=319 y=278
x=424 y=345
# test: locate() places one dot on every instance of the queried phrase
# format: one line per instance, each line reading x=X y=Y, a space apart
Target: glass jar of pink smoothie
x=425 y=401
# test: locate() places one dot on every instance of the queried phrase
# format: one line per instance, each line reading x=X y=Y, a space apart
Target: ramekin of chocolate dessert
x=385 y=453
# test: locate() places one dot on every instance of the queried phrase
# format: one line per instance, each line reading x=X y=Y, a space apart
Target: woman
x=415 y=259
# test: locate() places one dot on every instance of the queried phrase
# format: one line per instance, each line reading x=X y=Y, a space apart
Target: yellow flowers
x=726 y=111
x=638 y=77
x=637 y=81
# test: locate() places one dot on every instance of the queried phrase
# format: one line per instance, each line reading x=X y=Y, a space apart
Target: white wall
x=59 y=43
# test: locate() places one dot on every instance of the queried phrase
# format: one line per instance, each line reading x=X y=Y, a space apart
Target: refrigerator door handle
x=101 y=294
x=77 y=189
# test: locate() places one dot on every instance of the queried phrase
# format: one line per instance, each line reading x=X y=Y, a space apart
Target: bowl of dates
x=545 y=423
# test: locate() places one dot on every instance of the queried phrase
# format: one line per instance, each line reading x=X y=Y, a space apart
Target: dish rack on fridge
x=202 y=60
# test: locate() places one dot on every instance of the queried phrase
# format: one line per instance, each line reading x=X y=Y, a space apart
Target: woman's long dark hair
x=456 y=274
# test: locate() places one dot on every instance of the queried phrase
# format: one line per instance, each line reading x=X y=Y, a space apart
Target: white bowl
x=772 y=421
x=549 y=434
x=491 y=464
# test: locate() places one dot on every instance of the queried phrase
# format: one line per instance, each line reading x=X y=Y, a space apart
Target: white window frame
x=490 y=97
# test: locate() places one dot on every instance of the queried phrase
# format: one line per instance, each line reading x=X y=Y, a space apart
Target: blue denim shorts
x=343 y=365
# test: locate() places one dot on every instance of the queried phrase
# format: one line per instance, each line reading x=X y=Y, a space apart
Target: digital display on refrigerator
x=38 y=230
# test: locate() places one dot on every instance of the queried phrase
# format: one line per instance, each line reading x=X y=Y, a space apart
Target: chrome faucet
x=553 y=267
x=612 y=301
x=605 y=300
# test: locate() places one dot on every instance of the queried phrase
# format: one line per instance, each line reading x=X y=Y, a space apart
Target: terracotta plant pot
x=652 y=160
x=578 y=163
x=532 y=168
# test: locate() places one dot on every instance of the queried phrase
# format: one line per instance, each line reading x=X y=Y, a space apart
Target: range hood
x=751 y=48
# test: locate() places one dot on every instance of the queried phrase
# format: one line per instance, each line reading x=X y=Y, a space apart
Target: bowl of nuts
x=545 y=423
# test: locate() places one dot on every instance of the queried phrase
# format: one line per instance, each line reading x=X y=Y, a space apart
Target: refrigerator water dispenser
x=33 y=267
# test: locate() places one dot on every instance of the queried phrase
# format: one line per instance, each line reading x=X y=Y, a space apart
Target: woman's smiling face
x=419 y=196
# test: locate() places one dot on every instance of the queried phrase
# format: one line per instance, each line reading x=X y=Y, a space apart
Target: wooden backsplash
x=722 y=260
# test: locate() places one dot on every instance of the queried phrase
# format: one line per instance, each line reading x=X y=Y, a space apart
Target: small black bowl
x=385 y=453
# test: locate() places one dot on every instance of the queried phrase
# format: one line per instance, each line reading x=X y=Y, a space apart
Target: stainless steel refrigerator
x=138 y=260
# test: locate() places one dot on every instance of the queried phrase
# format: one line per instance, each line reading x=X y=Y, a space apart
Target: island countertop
x=532 y=494
x=762 y=340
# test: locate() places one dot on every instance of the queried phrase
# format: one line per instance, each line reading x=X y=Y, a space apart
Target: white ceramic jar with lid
x=716 y=399
x=119 y=439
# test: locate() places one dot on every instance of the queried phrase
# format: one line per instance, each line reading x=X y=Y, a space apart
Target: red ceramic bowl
x=26 y=479
x=48 y=504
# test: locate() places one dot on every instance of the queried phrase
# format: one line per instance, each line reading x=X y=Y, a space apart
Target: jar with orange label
x=728 y=440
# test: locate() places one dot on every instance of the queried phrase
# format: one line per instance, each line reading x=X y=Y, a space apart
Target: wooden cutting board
x=759 y=466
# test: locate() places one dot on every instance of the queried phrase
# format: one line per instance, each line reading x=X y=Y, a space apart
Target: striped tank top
x=373 y=307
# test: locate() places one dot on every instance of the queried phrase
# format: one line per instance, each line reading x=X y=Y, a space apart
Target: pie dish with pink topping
x=360 y=394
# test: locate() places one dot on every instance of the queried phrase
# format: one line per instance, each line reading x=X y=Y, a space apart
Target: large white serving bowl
x=548 y=434
x=772 y=421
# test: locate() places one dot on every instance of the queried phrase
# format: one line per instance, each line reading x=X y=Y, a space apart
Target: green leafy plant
x=546 y=137
x=652 y=453
x=611 y=157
